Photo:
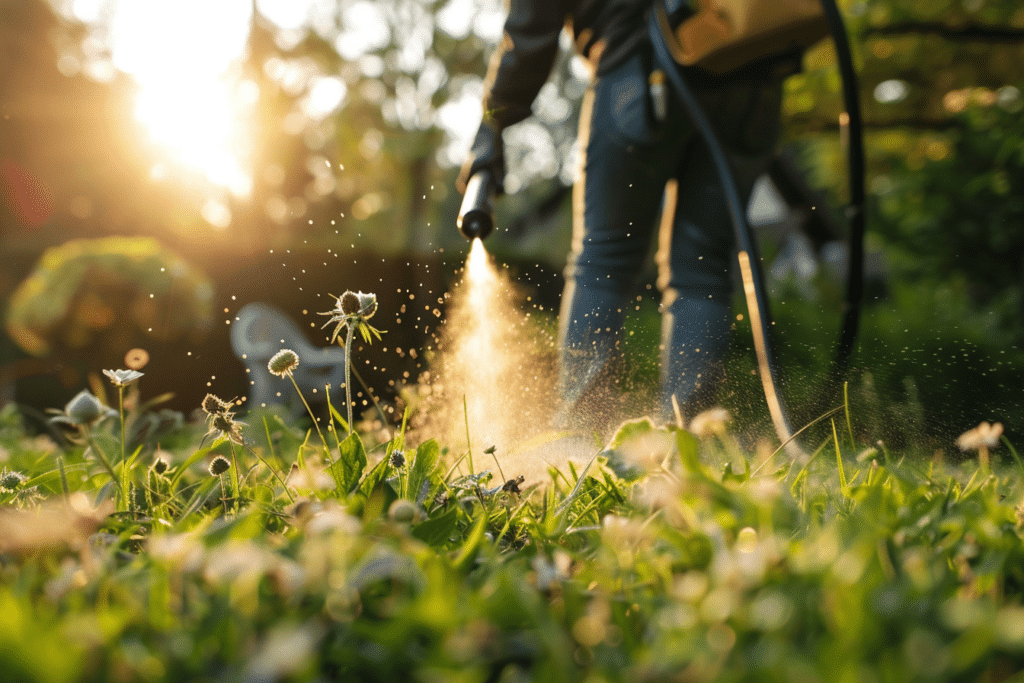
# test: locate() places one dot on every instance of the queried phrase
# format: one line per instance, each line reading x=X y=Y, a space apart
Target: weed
x=351 y=312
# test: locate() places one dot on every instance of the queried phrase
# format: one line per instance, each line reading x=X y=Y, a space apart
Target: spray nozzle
x=476 y=216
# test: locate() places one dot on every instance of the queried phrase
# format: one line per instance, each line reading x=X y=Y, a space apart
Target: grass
x=667 y=557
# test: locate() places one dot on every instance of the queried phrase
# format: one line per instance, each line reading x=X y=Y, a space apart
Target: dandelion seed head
x=83 y=409
x=223 y=422
x=397 y=459
x=349 y=303
x=283 y=363
x=352 y=310
x=10 y=481
x=212 y=405
x=219 y=465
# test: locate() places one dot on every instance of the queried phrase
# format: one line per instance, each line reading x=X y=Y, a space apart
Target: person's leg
x=696 y=262
x=616 y=201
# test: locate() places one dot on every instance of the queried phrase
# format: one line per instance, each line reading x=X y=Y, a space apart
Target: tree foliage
x=940 y=85
x=941 y=89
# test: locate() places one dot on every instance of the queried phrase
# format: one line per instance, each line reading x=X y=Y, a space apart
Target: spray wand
x=476 y=215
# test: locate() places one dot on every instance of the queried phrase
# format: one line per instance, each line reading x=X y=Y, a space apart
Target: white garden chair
x=259 y=332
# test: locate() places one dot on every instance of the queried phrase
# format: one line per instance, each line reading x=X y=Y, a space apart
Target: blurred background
x=164 y=163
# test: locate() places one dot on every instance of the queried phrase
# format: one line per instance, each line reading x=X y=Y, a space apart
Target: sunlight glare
x=286 y=14
x=366 y=30
x=326 y=94
x=199 y=135
x=459 y=117
x=184 y=56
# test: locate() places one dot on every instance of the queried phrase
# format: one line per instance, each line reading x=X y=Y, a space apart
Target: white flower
x=122 y=378
x=553 y=571
x=710 y=422
x=984 y=435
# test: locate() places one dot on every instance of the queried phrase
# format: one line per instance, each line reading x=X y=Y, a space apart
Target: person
x=633 y=142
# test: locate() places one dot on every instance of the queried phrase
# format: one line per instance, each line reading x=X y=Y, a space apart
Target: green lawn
x=669 y=557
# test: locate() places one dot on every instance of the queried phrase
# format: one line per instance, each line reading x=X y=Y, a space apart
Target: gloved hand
x=487 y=153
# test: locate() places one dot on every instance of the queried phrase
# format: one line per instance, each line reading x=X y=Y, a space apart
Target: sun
x=185 y=58
x=201 y=126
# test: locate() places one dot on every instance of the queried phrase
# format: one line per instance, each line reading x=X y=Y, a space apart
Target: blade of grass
x=811 y=459
x=797 y=433
x=469 y=447
x=273 y=471
x=191 y=460
x=1013 y=452
x=846 y=406
x=564 y=505
x=472 y=545
x=451 y=470
x=512 y=517
x=199 y=497
x=63 y=478
x=593 y=505
x=270 y=442
x=843 y=486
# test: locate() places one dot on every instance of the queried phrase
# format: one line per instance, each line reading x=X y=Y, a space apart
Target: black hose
x=749 y=259
x=753 y=277
x=855 y=210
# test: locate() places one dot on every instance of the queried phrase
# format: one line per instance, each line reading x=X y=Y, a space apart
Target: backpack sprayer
x=721 y=36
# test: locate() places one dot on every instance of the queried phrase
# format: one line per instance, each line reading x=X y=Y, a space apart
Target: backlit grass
x=670 y=556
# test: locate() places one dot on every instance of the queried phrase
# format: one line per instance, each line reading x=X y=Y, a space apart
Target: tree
x=941 y=88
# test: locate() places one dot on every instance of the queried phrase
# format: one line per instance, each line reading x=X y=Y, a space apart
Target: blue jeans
x=628 y=157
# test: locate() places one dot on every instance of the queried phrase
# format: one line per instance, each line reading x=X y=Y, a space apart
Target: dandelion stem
x=234 y=476
x=122 y=481
x=120 y=410
x=223 y=494
x=350 y=329
x=500 y=473
x=327 y=449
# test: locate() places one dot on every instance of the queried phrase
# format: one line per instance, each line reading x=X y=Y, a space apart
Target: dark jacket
x=604 y=31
